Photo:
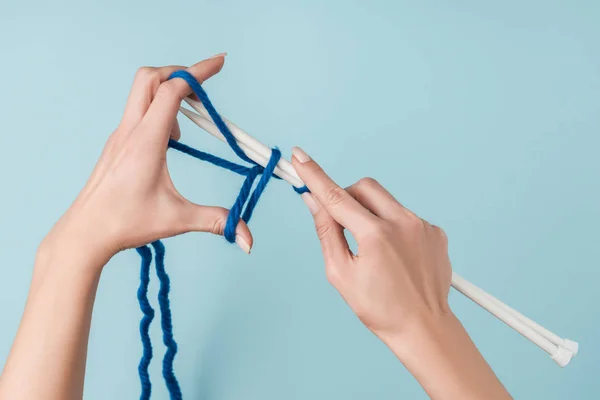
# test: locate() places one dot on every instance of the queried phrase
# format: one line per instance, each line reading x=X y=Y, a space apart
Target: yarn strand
x=262 y=185
x=242 y=208
x=148 y=311
x=200 y=155
x=203 y=97
x=166 y=322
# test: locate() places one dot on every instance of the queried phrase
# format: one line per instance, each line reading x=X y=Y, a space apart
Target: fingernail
x=218 y=55
x=240 y=241
x=300 y=155
x=311 y=203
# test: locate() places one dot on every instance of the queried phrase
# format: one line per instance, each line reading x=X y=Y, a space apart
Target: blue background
x=483 y=118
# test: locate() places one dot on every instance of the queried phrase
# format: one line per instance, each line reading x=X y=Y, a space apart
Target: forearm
x=48 y=356
x=443 y=358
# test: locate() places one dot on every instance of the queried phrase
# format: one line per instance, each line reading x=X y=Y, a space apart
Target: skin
x=397 y=284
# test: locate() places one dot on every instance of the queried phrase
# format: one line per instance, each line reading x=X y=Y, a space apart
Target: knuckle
x=146 y=74
x=113 y=139
x=442 y=234
x=332 y=274
x=413 y=222
x=376 y=231
x=324 y=231
x=336 y=195
x=217 y=226
x=368 y=182
x=167 y=90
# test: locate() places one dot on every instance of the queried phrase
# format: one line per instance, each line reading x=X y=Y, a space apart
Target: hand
x=130 y=199
x=401 y=275
x=398 y=283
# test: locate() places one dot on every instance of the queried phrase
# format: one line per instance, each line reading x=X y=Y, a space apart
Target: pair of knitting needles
x=560 y=350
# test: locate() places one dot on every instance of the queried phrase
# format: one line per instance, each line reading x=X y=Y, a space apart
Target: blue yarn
x=236 y=209
x=200 y=155
x=246 y=197
x=203 y=97
x=262 y=184
x=251 y=173
x=148 y=311
x=301 y=190
x=166 y=323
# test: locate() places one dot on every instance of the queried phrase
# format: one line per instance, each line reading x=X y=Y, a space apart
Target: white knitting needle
x=251 y=152
x=551 y=336
x=561 y=350
x=263 y=153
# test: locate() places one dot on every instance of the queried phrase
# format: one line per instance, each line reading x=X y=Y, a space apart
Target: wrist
x=422 y=333
x=75 y=239
x=439 y=353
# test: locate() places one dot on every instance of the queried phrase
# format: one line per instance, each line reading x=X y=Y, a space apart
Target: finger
x=199 y=218
x=176 y=131
x=165 y=106
x=145 y=84
x=375 y=198
x=339 y=204
x=331 y=234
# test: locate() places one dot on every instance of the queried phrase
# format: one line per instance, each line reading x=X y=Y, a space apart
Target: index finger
x=146 y=83
x=164 y=108
x=339 y=204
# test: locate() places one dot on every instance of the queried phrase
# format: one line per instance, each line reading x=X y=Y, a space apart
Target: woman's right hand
x=397 y=283
x=400 y=277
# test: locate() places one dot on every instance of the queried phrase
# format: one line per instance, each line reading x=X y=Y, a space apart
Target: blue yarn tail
x=166 y=323
x=148 y=311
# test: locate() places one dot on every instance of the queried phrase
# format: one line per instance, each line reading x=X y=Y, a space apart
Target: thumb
x=199 y=218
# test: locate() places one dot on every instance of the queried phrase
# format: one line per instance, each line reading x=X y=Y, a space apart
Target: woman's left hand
x=130 y=199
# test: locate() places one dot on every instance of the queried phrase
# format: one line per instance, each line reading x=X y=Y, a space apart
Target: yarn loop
x=243 y=208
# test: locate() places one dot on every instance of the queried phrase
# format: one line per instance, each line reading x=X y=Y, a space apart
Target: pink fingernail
x=300 y=155
x=218 y=56
x=311 y=203
x=241 y=242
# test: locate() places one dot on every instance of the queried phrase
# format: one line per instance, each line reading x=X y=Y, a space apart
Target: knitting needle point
x=559 y=353
x=551 y=336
